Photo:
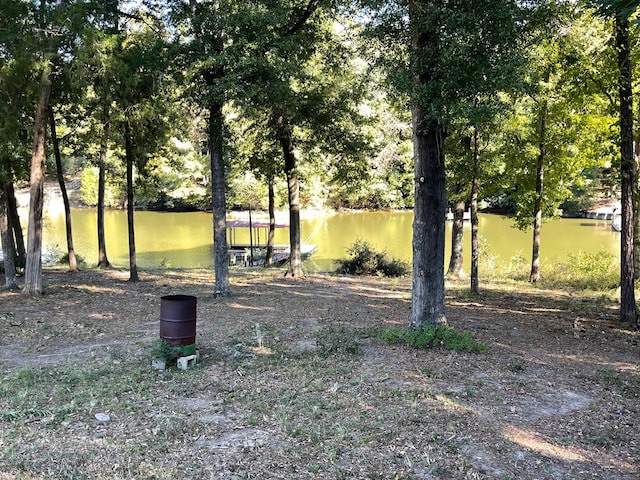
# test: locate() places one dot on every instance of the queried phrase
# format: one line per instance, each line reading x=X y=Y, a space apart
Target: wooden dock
x=240 y=252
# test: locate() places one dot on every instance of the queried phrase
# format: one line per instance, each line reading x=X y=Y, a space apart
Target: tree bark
x=15 y=227
x=628 y=172
x=534 y=276
x=427 y=297
x=475 y=287
x=636 y=206
x=427 y=301
x=216 y=143
x=272 y=224
x=293 y=188
x=33 y=267
x=73 y=263
x=128 y=147
x=10 y=280
x=219 y=203
x=103 y=260
x=456 y=269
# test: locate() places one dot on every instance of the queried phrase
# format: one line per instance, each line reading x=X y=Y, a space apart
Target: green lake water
x=185 y=239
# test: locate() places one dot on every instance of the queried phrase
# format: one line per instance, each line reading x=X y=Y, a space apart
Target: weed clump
x=364 y=260
x=336 y=341
x=64 y=260
x=433 y=336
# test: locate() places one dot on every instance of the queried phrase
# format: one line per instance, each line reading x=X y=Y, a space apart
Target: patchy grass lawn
x=294 y=383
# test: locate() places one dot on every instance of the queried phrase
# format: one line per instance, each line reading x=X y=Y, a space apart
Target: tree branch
x=312 y=6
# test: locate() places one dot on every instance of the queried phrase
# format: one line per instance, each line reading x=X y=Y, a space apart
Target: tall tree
x=129 y=155
x=475 y=187
x=15 y=226
x=427 y=46
x=141 y=100
x=621 y=12
x=7 y=244
x=18 y=88
x=293 y=188
x=301 y=88
x=45 y=50
x=106 y=48
x=456 y=269
x=103 y=259
x=33 y=268
x=541 y=159
x=628 y=168
x=455 y=47
x=459 y=156
x=71 y=254
x=549 y=139
x=205 y=26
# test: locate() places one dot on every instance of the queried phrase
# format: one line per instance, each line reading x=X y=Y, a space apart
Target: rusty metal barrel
x=178 y=321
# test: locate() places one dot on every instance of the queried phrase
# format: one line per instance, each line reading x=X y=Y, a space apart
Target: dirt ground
x=294 y=383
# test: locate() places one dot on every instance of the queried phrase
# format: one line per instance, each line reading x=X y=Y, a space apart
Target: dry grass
x=293 y=383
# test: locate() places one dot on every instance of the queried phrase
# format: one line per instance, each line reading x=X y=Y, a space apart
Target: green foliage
x=383 y=179
x=365 y=260
x=64 y=259
x=562 y=120
x=336 y=341
x=597 y=271
x=433 y=336
x=163 y=351
x=114 y=192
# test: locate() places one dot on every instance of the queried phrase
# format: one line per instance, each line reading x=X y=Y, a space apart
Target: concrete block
x=186 y=362
x=158 y=364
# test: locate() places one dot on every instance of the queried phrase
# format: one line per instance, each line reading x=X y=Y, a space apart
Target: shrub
x=433 y=336
x=336 y=341
x=598 y=271
x=64 y=259
x=365 y=260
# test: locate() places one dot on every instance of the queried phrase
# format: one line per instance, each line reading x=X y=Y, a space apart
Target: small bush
x=163 y=351
x=336 y=341
x=433 y=336
x=64 y=260
x=367 y=261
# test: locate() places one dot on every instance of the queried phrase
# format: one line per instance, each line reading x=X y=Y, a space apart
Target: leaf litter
x=293 y=383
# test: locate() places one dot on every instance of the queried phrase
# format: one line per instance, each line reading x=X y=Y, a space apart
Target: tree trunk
x=272 y=224
x=628 y=171
x=33 y=268
x=455 y=269
x=10 y=281
x=73 y=263
x=133 y=266
x=636 y=205
x=103 y=260
x=216 y=136
x=15 y=227
x=636 y=210
x=475 y=288
x=427 y=301
x=293 y=188
x=219 y=202
x=427 y=297
x=534 y=276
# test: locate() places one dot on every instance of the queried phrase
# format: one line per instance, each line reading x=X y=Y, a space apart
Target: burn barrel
x=178 y=322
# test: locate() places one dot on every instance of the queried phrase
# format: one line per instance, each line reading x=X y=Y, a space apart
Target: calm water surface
x=185 y=239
